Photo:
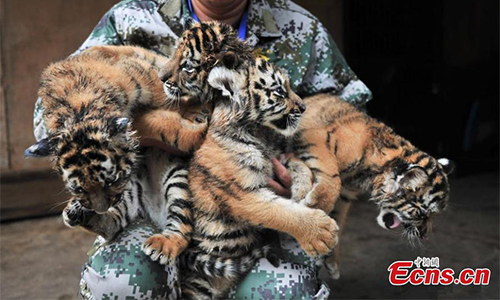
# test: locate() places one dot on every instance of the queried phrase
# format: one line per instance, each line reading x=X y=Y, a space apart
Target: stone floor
x=41 y=259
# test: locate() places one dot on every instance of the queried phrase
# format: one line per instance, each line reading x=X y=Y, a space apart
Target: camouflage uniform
x=119 y=270
x=291 y=38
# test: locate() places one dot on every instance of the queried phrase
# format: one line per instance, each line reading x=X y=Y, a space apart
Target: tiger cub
x=351 y=154
x=199 y=49
x=228 y=180
x=158 y=191
x=348 y=154
x=88 y=103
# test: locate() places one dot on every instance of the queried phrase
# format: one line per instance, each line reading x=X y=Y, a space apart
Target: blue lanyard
x=242 y=28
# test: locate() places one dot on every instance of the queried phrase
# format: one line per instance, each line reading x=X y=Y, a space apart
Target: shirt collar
x=242 y=27
x=260 y=24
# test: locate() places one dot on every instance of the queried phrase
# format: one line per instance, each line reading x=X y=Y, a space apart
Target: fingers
x=282 y=185
x=285 y=157
x=282 y=173
x=278 y=188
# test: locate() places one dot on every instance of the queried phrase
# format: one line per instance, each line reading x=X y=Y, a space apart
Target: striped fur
x=198 y=50
x=158 y=191
x=89 y=102
x=228 y=179
x=211 y=278
x=226 y=267
x=341 y=144
x=341 y=153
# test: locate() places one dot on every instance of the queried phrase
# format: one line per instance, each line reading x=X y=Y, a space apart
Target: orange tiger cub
x=199 y=49
x=350 y=154
x=89 y=102
x=228 y=180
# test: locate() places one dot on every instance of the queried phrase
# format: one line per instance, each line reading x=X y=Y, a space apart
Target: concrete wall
x=33 y=33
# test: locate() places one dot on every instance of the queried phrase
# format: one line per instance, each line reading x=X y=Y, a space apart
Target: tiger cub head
x=95 y=159
x=411 y=194
x=200 y=48
x=260 y=94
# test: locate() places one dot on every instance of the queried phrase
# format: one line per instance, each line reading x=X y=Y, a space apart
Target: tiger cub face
x=411 y=195
x=95 y=159
x=262 y=94
x=199 y=49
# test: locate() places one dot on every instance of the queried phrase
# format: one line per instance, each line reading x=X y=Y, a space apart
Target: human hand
x=283 y=182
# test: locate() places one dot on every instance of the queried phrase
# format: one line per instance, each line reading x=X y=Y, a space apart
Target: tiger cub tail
x=231 y=268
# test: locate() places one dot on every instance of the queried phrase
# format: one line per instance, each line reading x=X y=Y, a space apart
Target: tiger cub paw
x=202 y=119
x=74 y=214
x=302 y=178
x=333 y=269
x=274 y=256
x=319 y=201
x=164 y=249
x=321 y=234
x=198 y=115
x=309 y=200
x=299 y=193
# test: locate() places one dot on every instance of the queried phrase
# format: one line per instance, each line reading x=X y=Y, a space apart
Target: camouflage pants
x=120 y=270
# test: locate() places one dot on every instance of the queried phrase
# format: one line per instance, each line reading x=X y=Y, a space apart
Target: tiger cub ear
x=413 y=178
x=447 y=165
x=229 y=59
x=42 y=148
x=227 y=81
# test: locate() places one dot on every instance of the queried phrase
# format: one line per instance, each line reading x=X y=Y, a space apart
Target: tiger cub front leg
x=323 y=164
x=175 y=237
x=315 y=231
x=106 y=225
x=74 y=214
x=301 y=175
x=199 y=114
x=184 y=129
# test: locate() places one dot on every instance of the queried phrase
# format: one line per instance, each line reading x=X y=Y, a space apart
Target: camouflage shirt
x=284 y=32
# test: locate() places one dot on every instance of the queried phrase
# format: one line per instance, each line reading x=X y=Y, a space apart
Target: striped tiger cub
x=199 y=49
x=348 y=154
x=88 y=103
x=158 y=191
x=351 y=154
x=228 y=181
x=217 y=267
